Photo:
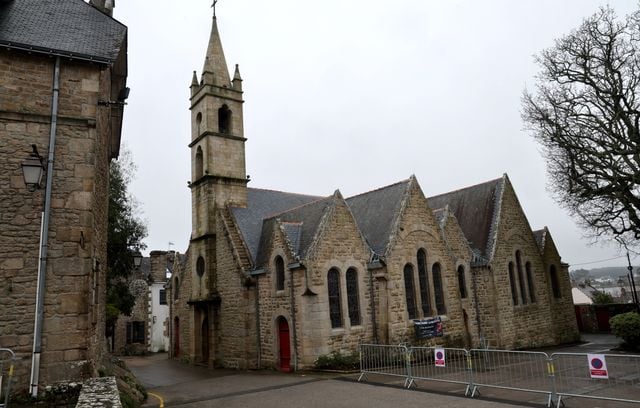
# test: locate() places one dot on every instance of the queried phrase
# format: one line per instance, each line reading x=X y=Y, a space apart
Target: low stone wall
x=99 y=392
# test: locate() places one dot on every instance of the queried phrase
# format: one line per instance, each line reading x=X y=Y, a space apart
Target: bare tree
x=585 y=113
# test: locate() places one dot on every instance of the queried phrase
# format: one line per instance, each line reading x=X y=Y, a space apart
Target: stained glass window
x=352 y=297
x=333 y=286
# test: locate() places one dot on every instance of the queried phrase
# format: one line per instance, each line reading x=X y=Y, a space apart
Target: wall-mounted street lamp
x=32 y=169
x=137 y=259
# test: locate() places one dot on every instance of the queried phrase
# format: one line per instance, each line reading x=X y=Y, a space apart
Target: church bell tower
x=218 y=174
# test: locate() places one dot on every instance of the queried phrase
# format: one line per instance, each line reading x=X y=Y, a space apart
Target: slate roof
x=263 y=204
x=61 y=27
x=376 y=212
x=540 y=236
x=476 y=209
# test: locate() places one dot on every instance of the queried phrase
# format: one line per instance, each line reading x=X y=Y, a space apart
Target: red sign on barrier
x=597 y=366
x=439 y=357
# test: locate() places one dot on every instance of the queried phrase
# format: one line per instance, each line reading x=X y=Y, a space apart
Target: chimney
x=105 y=6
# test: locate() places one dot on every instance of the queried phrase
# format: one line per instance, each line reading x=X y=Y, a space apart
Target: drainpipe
x=44 y=238
x=373 y=308
x=293 y=324
x=258 y=337
x=474 y=285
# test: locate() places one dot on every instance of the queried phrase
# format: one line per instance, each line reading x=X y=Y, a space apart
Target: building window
x=410 y=291
x=199 y=164
x=532 y=292
x=135 y=332
x=198 y=123
x=352 y=297
x=438 y=289
x=523 y=292
x=423 y=280
x=461 y=282
x=333 y=287
x=555 y=284
x=200 y=266
x=176 y=288
x=512 y=282
x=279 y=273
x=163 y=297
x=224 y=119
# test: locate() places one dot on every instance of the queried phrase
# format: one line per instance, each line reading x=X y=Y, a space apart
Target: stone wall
x=73 y=332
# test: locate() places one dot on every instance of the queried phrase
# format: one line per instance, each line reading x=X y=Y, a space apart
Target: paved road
x=181 y=385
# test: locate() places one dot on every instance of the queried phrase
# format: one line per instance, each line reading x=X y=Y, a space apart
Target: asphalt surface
x=174 y=384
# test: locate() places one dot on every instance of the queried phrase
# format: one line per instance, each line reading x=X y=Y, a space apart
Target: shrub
x=338 y=361
x=627 y=327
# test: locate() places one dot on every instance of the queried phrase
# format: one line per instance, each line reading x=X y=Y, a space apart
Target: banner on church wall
x=428 y=328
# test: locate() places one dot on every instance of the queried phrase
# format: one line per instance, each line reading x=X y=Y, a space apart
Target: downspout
x=293 y=326
x=373 y=308
x=44 y=238
x=258 y=337
x=474 y=285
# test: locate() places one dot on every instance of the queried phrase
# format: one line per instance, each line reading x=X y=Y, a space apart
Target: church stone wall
x=418 y=229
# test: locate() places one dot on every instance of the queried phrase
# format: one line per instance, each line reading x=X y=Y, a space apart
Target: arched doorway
x=205 y=340
x=284 y=345
x=176 y=337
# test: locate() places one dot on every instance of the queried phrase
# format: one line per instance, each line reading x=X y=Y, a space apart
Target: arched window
x=333 y=287
x=352 y=297
x=176 y=288
x=423 y=280
x=279 y=273
x=199 y=163
x=438 y=289
x=512 y=283
x=555 y=284
x=200 y=266
x=523 y=291
x=409 y=291
x=198 y=123
x=461 y=282
x=532 y=291
x=224 y=119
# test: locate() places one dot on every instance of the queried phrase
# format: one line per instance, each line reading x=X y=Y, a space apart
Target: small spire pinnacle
x=214 y=8
x=236 y=75
x=215 y=71
x=194 y=80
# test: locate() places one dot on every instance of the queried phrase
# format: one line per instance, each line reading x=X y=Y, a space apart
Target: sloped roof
x=262 y=204
x=475 y=208
x=308 y=217
x=376 y=212
x=61 y=27
x=540 y=236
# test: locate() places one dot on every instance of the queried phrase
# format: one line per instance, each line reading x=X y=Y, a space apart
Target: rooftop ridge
x=466 y=188
x=380 y=188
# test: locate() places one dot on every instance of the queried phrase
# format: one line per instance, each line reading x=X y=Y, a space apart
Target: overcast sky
x=351 y=95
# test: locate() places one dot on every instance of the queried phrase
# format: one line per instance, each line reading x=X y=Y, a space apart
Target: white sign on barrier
x=439 y=357
x=597 y=366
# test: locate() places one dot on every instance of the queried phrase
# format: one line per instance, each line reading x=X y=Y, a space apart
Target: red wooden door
x=285 y=346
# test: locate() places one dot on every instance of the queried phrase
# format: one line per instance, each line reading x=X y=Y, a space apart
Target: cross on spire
x=214 y=7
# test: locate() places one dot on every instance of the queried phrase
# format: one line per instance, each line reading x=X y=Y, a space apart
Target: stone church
x=277 y=279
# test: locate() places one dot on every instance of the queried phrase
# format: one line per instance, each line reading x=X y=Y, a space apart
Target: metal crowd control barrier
x=384 y=360
x=513 y=370
x=453 y=366
x=6 y=373
x=614 y=377
x=573 y=378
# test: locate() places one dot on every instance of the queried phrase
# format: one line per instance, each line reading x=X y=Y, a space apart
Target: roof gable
x=71 y=28
x=376 y=213
x=477 y=210
x=262 y=204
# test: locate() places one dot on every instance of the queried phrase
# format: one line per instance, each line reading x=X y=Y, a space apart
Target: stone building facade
x=276 y=279
x=63 y=68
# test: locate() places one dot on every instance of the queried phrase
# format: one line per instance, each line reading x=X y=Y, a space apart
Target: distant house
x=146 y=329
x=580 y=297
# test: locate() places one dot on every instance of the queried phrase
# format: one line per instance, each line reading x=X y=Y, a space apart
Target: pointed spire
x=194 y=80
x=215 y=70
x=237 y=79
